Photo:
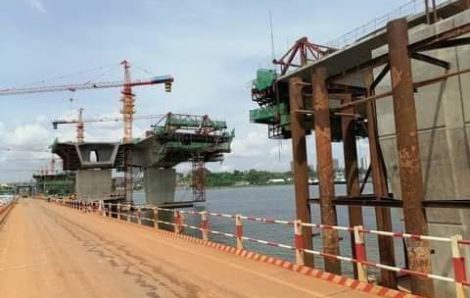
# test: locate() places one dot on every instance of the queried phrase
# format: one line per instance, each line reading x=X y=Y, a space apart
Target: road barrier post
x=360 y=252
x=204 y=226
x=139 y=216
x=102 y=209
x=129 y=213
x=177 y=219
x=155 y=218
x=239 y=231
x=109 y=209
x=459 y=266
x=299 y=243
x=118 y=211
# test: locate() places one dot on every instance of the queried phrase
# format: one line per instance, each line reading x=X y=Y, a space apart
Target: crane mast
x=127 y=114
x=127 y=103
x=80 y=127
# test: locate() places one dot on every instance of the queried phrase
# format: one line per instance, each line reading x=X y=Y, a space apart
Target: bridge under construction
x=403 y=86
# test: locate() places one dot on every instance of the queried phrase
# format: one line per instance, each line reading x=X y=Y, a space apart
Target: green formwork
x=264 y=79
x=194 y=122
x=268 y=114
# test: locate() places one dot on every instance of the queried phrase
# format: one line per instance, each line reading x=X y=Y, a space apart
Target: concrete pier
x=93 y=184
x=159 y=185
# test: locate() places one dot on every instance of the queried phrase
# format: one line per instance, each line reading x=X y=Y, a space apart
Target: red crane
x=80 y=122
x=127 y=98
x=167 y=80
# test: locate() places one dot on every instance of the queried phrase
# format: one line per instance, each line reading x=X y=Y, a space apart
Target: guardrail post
x=109 y=210
x=239 y=231
x=129 y=213
x=360 y=250
x=177 y=219
x=299 y=243
x=139 y=216
x=204 y=226
x=459 y=266
x=101 y=208
x=118 y=211
x=155 y=217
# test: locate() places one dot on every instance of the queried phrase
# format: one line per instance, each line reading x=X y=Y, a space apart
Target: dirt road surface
x=47 y=250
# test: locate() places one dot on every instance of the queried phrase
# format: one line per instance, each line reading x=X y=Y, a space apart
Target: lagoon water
x=277 y=202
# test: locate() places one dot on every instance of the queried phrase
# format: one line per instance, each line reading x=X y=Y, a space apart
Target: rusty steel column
x=326 y=183
x=300 y=166
x=379 y=182
x=351 y=170
x=411 y=179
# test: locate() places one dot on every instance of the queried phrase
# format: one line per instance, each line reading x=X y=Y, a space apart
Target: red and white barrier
x=267 y=220
x=458 y=262
x=239 y=231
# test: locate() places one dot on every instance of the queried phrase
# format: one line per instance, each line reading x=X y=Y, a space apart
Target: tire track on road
x=118 y=256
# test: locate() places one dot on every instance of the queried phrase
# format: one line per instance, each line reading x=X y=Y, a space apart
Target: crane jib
x=75 y=87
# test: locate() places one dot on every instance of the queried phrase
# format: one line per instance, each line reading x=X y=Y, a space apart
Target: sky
x=211 y=48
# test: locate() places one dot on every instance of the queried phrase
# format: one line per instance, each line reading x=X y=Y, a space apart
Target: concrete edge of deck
x=308 y=271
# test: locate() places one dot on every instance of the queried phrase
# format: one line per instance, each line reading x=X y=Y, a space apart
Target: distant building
x=276 y=181
x=241 y=183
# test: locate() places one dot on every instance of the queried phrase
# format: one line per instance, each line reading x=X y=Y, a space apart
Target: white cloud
x=29 y=136
x=37 y=5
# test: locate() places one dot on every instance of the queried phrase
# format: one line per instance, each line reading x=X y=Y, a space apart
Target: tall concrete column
x=325 y=167
x=300 y=166
x=351 y=169
x=159 y=185
x=411 y=179
x=93 y=184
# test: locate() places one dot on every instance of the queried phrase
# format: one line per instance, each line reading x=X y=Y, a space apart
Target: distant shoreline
x=251 y=185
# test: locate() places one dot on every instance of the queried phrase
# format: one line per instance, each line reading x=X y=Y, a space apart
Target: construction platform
x=175 y=139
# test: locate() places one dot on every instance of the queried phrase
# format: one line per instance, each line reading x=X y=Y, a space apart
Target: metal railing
x=6 y=202
x=178 y=225
x=413 y=7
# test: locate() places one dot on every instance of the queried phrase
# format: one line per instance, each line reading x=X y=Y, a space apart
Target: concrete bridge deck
x=47 y=250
